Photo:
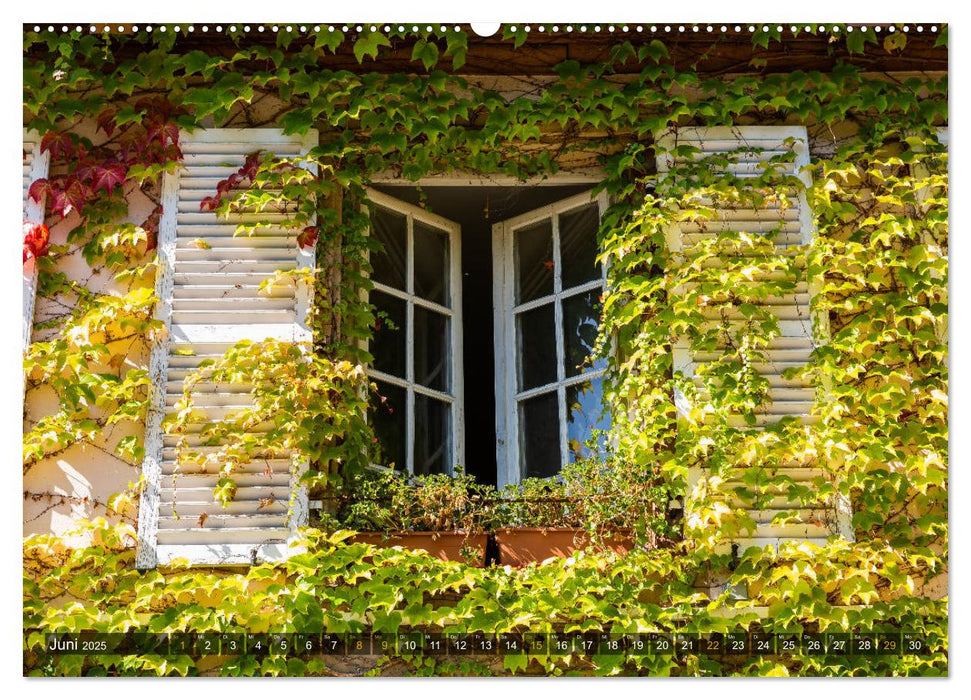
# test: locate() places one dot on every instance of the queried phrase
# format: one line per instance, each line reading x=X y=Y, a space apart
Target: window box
x=448 y=546
x=519 y=546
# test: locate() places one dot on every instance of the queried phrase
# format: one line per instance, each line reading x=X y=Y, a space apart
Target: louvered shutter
x=209 y=300
x=793 y=345
x=35 y=168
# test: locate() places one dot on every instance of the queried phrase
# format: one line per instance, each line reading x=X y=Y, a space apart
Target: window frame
x=508 y=396
x=456 y=399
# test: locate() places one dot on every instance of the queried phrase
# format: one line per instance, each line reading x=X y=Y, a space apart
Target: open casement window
x=799 y=331
x=35 y=167
x=208 y=299
x=418 y=414
x=548 y=288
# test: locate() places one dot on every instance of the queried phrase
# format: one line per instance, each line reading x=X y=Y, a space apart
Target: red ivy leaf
x=151 y=228
x=169 y=154
x=57 y=144
x=59 y=203
x=308 y=237
x=109 y=176
x=224 y=186
x=106 y=122
x=165 y=132
x=39 y=189
x=77 y=194
x=84 y=171
x=36 y=240
x=250 y=166
x=151 y=223
x=151 y=241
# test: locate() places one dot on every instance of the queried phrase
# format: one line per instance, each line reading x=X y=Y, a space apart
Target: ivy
x=879 y=430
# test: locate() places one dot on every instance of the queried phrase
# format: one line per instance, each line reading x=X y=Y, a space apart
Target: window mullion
x=410 y=344
x=514 y=464
x=456 y=383
x=558 y=325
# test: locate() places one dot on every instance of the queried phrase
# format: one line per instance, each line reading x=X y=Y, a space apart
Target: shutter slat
x=185 y=510
x=257 y=466
x=169 y=454
x=210 y=299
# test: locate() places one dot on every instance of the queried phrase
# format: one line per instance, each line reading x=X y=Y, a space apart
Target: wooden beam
x=708 y=54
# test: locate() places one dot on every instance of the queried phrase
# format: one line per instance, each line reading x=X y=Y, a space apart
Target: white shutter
x=35 y=167
x=209 y=300
x=792 y=347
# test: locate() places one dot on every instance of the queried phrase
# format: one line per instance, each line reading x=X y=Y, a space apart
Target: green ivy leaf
x=367 y=45
x=426 y=52
x=655 y=50
x=895 y=42
x=330 y=40
x=855 y=41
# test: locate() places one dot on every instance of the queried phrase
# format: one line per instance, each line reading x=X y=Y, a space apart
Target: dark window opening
x=476 y=210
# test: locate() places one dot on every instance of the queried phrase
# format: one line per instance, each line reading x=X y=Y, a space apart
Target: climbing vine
x=878 y=432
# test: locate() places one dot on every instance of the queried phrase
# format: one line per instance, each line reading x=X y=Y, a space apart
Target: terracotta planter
x=444 y=545
x=519 y=546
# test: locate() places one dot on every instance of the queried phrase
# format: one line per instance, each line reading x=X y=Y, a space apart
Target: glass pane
x=431 y=264
x=584 y=415
x=539 y=435
x=433 y=434
x=390 y=264
x=536 y=332
x=578 y=246
x=534 y=261
x=431 y=349
x=388 y=342
x=389 y=421
x=581 y=318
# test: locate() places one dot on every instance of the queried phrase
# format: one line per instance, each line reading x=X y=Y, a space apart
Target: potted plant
x=580 y=509
x=438 y=513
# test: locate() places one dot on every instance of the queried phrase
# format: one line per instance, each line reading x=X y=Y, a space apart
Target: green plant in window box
x=438 y=513
x=590 y=504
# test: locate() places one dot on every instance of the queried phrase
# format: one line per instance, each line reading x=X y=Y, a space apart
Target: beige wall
x=78 y=482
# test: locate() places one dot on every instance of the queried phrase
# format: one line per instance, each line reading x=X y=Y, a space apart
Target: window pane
x=578 y=246
x=388 y=342
x=389 y=421
x=539 y=435
x=433 y=435
x=534 y=261
x=431 y=264
x=581 y=319
x=583 y=415
x=431 y=349
x=536 y=349
x=391 y=263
